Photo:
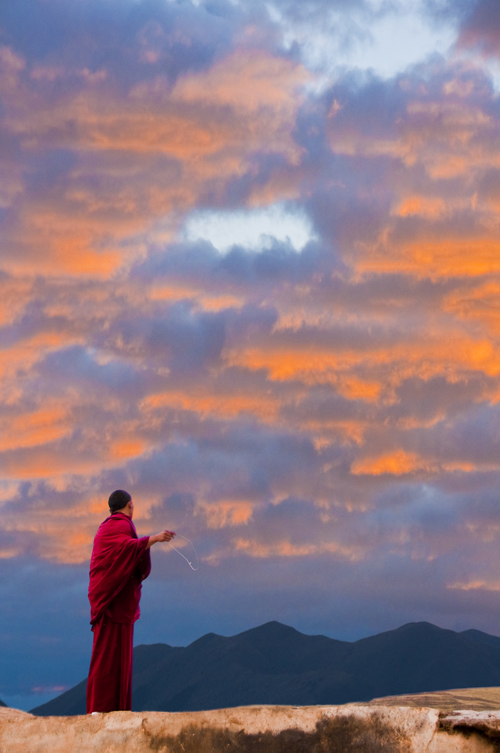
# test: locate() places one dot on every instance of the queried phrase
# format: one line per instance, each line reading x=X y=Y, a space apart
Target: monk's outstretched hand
x=159 y=537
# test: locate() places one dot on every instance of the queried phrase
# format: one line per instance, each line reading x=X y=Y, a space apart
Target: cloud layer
x=321 y=419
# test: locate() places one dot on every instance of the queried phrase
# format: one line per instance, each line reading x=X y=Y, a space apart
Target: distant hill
x=3 y=704
x=275 y=664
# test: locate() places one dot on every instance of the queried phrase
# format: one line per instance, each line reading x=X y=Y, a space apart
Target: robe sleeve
x=117 y=555
x=144 y=567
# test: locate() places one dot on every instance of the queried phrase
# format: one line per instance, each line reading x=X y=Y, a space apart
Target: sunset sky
x=250 y=272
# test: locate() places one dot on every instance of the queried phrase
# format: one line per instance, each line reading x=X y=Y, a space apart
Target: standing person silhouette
x=120 y=562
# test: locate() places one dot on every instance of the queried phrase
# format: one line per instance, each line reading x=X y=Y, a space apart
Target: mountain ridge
x=276 y=664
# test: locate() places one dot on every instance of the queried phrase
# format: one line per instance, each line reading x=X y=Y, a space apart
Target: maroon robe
x=120 y=562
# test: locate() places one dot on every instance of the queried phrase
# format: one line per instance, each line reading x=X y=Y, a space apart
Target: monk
x=120 y=562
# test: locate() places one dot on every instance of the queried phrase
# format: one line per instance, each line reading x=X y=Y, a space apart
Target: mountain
x=3 y=704
x=483 y=638
x=275 y=664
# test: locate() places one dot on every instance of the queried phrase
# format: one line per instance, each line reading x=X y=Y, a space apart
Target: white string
x=183 y=557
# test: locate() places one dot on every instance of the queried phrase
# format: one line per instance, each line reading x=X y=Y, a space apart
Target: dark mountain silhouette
x=2 y=703
x=479 y=637
x=275 y=664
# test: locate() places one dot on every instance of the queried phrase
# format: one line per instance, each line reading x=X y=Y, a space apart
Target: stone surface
x=487 y=722
x=251 y=729
x=448 y=700
x=467 y=730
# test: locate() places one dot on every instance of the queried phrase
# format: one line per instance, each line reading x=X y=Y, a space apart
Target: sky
x=250 y=272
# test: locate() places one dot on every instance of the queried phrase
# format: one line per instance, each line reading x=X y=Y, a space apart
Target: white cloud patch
x=255 y=229
x=385 y=38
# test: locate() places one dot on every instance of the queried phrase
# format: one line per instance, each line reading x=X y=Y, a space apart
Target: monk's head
x=120 y=501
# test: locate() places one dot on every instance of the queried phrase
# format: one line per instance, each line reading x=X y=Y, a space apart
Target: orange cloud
x=447 y=138
x=169 y=293
x=439 y=352
x=8 y=552
x=11 y=64
x=98 y=505
x=71 y=257
x=74 y=242
x=15 y=294
x=93 y=231
x=44 y=462
x=220 y=302
x=480 y=304
x=432 y=257
x=23 y=355
x=224 y=405
x=248 y=79
x=206 y=300
x=288 y=363
x=224 y=513
x=260 y=92
x=475 y=585
x=353 y=388
x=399 y=463
x=31 y=447
x=58 y=541
x=286 y=549
x=396 y=463
x=281 y=186
x=29 y=429
x=432 y=207
x=128 y=447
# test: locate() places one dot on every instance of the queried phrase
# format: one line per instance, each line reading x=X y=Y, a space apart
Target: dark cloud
x=481 y=27
x=127 y=39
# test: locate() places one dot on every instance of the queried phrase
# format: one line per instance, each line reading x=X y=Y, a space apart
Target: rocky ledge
x=252 y=729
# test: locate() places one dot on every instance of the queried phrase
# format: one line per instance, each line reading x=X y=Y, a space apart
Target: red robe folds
x=120 y=562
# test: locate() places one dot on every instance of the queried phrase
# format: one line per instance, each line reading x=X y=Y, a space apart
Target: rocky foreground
x=252 y=729
x=477 y=699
